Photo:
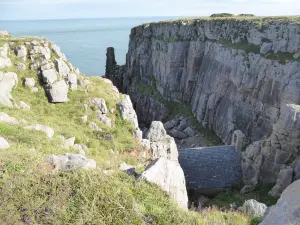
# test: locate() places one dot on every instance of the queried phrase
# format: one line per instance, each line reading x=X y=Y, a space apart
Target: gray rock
x=49 y=76
x=57 y=51
x=3 y=144
x=190 y=132
x=47 y=130
x=70 y=162
x=21 y=52
x=254 y=208
x=94 y=126
x=5 y=62
x=44 y=52
x=58 y=92
x=296 y=167
x=146 y=143
x=100 y=104
x=72 y=81
x=8 y=81
x=4 y=118
x=34 y=90
x=105 y=120
x=84 y=118
x=170 y=177
x=29 y=82
x=127 y=111
x=81 y=149
x=286 y=211
x=130 y=170
x=284 y=179
x=62 y=68
x=69 y=142
x=178 y=134
x=108 y=137
x=138 y=134
x=169 y=125
x=265 y=48
x=24 y=105
x=156 y=132
x=21 y=67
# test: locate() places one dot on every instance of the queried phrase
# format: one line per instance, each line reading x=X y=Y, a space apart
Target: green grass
x=243 y=45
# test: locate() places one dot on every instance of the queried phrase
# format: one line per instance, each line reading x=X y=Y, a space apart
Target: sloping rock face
x=216 y=67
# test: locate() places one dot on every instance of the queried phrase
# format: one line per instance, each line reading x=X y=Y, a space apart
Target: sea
x=84 y=41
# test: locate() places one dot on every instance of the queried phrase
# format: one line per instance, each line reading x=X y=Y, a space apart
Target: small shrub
x=222 y=15
x=256 y=220
x=246 y=15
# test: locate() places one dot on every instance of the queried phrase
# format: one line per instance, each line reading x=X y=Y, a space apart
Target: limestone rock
x=178 y=134
x=286 y=211
x=29 y=82
x=4 y=60
x=94 y=126
x=7 y=82
x=156 y=131
x=81 y=149
x=105 y=120
x=58 y=92
x=21 y=67
x=44 y=52
x=84 y=118
x=100 y=104
x=4 y=118
x=47 y=130
x=146 y=143
x=24 y=105
x=254 y=208
x=127 y=111
x=72 y=81
x=69 y=142
x=62 y=68
x=70 y=162
x=49 y=76
x=57 y=50
x=21 y=52
x=3 y=144
x=4 y=33
x=170 y=177
x=265 y=48
x=127 y=168
x=34 y=90
x=284 y=179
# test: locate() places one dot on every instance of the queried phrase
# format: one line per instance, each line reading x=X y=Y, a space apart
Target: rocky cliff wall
x=235 y=74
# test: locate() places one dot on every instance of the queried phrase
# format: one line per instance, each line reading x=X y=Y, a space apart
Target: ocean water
x=84 y=41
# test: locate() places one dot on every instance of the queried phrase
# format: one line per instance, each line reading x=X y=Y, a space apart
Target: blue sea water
x=84 y=41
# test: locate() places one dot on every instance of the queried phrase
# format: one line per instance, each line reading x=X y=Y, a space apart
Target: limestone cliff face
x=235 y=74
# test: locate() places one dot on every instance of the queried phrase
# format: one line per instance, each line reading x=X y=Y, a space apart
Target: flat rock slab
x=71 y=162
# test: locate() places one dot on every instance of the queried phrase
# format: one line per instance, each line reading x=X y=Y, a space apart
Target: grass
x=243 y=45
x=30 y=194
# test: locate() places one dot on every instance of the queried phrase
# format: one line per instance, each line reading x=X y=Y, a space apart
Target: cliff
x=239 y=76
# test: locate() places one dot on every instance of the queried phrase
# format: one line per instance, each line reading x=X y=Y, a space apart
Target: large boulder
x=62 y=68
x=49 y=76
x=4 y=60
x=156 y=131
x=57 y=51
x=4 y=118
x=21 y=52
x=287 y=209
x=7 y=82
x=71 y=162
x=3 y=144
x=47 y=130
x=284 y=179
x=58 y=92
x=254 y=208
x=29 y=82
x=44 y=52
x=170 y=177
x=72 y=81
x=127 y=111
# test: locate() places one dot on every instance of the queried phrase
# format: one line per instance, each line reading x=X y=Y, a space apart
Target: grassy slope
x=29 y=194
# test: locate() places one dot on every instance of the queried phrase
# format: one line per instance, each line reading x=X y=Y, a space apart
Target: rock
x=284 y=179
x=5 y=62
x=138 y=134
x=84 y=118
x=108 y=137
x=94 y=126
x=62 y=68
x=86 y=107
x=72 y=81
x=81 y=149
x=69 y=142
x=130 y=170
x=4 y=118
x=47 y=130
x=49 y=76
x=21 y=52
x=29 y=82
x=34 y=90
x=146 y=143
x=24 y=105
x=57 y=51
x=189 y=131
x=254 y=208
x=156 y=132
x=169 y=125
x=170 y=177
x=44 y=52
x=127 y=111
x=105 y=120
x=265 y=48
x=3 y=144
x=70 y=162
x=4 y=33
x=178 y=134
x=238 y=140
x=100 y=104
x=21 y=67
x=286 y=211
x=46 y=65
x=58 y=92
x=296 y=55
x=296 y=167
x=7 y=82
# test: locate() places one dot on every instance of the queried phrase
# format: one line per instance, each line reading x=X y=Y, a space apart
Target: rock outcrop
x=8 y=81
x=3 y=144
x=220 y=68
x=254 y=208
x=287 y=209
x=70 y=162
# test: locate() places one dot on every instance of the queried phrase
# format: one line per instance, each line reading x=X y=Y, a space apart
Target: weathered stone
x=94 y=126
x=58 y=92
x=7 y=82
x=189 y=131
x=29 y=82
x=81 y=149
x=105 y=120
x=146 y=143
x=24 y=105
x=49 y=76
x=57 y=51
x=284 y=179
x=254 y=208
x=127 y=111
x=4 y=118
x=238 y=140
x=170 y=177
x=34 y=90
x=84 y=118
x=70 y=162
x=265 y=48
x=130 y=170
x=69 y=142
x=178 y=134
x=21 y=52
x=3 y=144
x=21 y=67
x=44 y=52
x=100 y=104
x=47 y=130
x=156 y=132
x=4 y=33
x=62 y=68
x=72 y=81
x=286 y=211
